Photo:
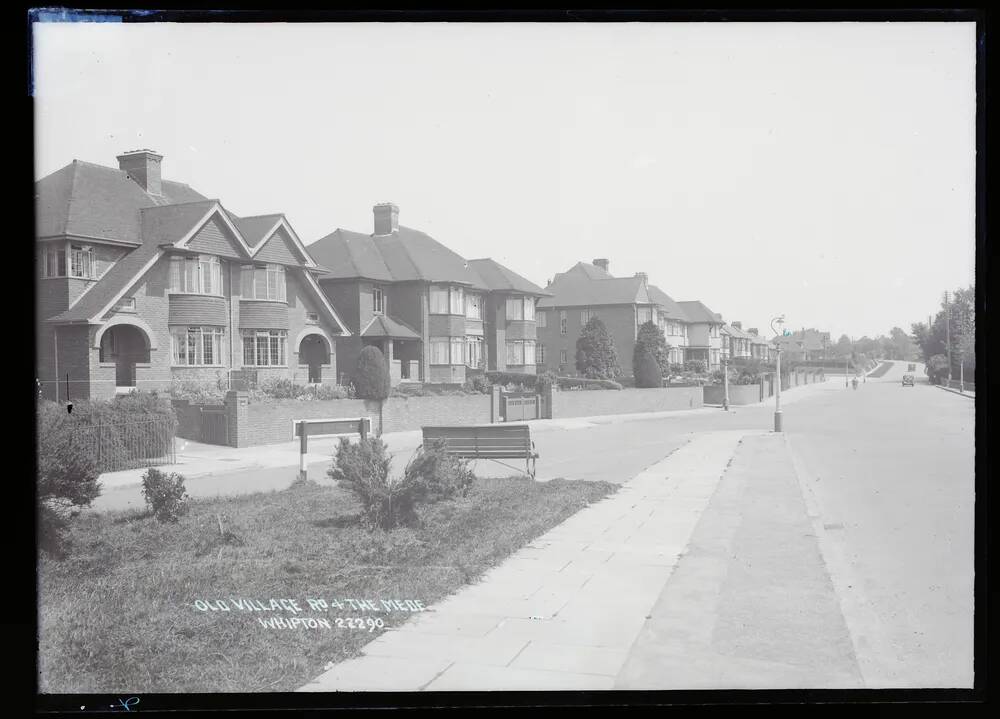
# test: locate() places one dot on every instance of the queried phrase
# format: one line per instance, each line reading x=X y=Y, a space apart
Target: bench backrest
x=482 y=440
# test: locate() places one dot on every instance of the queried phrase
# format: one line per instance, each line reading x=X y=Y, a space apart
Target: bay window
x=439 y=300
x=529 y=308
x=457 y=301
x=61 y=260
x=265 y=348
x=445 y=300
x=457 y=350
x=262 y=282
x=515 y=308
x=440 y=347
x=197 y=345
x=520 y=352
x=81 y=261
x=541 y=319
x=585 y=316
x=645 y=315
x=198 y=275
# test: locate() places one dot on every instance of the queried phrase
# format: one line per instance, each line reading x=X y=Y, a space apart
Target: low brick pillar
x=547 y=392
x=495 y=403
x=237 y=410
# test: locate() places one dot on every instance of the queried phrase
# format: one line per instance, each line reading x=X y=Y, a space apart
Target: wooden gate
x=519 y=406
x=214 y=426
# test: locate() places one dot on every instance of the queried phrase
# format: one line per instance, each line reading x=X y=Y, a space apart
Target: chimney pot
x=386 y=218
x=602 y=263
x=143 y=168
x=643 y=276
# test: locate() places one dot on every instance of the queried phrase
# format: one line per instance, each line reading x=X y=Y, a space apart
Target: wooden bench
x=492 y=441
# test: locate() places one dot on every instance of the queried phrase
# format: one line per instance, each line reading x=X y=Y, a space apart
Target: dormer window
x=378 y=301
x=69 y=260
x=81 y=261
x=196 y=275
x=262 y=282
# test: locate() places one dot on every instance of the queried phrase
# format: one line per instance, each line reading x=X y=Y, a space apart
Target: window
x=262 y=282
x=515 y=308
x=457 y=301
x=715 y=357
x=529 y=352
x=197 y=345
x=81 y=262
x=126 y=305
x=378 y=301
x=474 y=307
x=645 y=315
x=585 y=316
x=440 y=350
x=54 y=261
x=200 y=275
x=473 y=351
x=457 y=350
x=540 y=318
x=265 y=348
x=540 y=353
x=515 y=353
x=562 y=322
x=439 y=300
x=312 y=317
x=562 y=356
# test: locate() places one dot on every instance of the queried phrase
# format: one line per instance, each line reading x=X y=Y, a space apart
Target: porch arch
x=148 y=334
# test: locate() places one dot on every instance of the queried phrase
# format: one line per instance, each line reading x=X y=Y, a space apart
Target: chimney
x=386 y=218
x=143 y=168
x=643 y=276
x=737 y=325
x=602 y=263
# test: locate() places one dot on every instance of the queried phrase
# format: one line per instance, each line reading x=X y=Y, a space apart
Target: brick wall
x=619 y=319
x=738 y=393
x=584 y=403
x=271 y=422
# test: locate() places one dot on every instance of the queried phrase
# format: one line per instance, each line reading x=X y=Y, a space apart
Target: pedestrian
x=854 y=382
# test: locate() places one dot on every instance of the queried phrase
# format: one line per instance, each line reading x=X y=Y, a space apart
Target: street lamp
x=780 y=320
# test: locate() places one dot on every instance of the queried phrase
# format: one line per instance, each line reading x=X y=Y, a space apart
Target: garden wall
x=256 y=423
x=583 y=403
x=738 y=393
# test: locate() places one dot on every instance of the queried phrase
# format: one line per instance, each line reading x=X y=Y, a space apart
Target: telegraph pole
x=780 y=320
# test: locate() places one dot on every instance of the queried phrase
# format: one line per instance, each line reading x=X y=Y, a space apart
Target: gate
x=519 y=406
x=214 y=425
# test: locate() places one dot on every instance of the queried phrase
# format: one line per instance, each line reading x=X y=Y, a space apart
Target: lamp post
x=725 y=383
x=780 y=320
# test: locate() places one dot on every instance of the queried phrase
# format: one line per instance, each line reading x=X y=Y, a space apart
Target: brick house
x=805 y=345
x=583 y=291
x=145 y=282
x=673 y=322
x=760 y=348
x=736 y=344
x=433 y=313
x=704 y=334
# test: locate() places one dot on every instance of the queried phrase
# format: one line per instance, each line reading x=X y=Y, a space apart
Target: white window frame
x=275 y=343
x=84 y=254
x=585 y=316
x=456 y=301
x=187 y=275
x=539 y=353
x=514 y=308
x=529 y=309
x=265 y=283
x=473 y=305
x=378 y=301
x=540 y=318
x=473 y=351
x=187 y=338
x=440 y=348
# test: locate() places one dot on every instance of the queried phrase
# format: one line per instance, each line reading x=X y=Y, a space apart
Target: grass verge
x=118 y=615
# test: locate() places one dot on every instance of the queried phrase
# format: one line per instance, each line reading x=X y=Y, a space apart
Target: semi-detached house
x=432 y=313
x=145 y=282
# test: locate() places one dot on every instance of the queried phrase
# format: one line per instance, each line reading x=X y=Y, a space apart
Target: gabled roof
x=405 y=255
x=584 y=270
x=811 y=339
x=665 y=303
x=578 y=291
x=696 y=311
x=503 y=279
x=255 y=229
x=736 y=332
x=385 y=326
x=87 y=200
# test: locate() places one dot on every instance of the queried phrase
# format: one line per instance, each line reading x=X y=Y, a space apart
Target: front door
x=124 y=370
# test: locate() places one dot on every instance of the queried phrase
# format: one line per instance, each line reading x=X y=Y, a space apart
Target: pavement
x=835 y=555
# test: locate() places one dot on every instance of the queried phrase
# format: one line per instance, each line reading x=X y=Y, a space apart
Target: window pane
x=272 y=284
x=515 y=353
x=61 y=262
x=515 y=308
x=376 y=300
x=217 y=278
x=208 y=353
x=246 y=281
x=192 y=347
x=190 y=276
x=439 y=300
x=260 y=283
x=274 y=350
x=439 y=351
x=457 y=301
x=262 y=347
x=456 y=350
x=529 y=353
x=281 y=284
x=175 y=274
x=473 y=306
x=529 y=308
x=248 y=351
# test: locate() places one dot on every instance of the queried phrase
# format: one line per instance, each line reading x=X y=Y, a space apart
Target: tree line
x=954 y=328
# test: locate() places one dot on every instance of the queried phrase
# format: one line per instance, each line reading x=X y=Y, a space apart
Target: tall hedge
x=650 y=335
x=647 y=371
x=596 y=357
x=371 y=379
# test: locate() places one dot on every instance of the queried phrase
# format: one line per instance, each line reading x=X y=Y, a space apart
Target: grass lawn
x=118 y=614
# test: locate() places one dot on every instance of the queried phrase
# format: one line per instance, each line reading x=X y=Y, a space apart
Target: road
x=837 y=554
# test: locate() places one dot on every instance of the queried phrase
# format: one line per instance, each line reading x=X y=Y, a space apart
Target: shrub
x=936 y=369
x=645 y=367
x=281 y=388
x=695 y=366
x=363 y=469
x=676 y=368
x=545 y=380
x=164 y=494
x=585 y=383
x=371 y=380
x=67 y=473
x=438 y=475
x=651 y=336
x=477 y=384
x=197 y=392
x=596 y=357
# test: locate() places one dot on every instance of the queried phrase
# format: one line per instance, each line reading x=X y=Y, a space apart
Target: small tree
x=371 y=380
x=937 y=369
x=647 y=371
x=596 y=357
x=651 y=336
x=67 y=473
x=364 y=470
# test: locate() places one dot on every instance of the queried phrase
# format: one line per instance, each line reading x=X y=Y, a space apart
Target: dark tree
x=646 y=369
x=596 y=357
x=651 y=336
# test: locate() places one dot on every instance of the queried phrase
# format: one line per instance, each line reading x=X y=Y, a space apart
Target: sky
x=823 y=171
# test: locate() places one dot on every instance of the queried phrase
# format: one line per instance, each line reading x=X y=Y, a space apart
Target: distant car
x=911 y=368
x=907 y=380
